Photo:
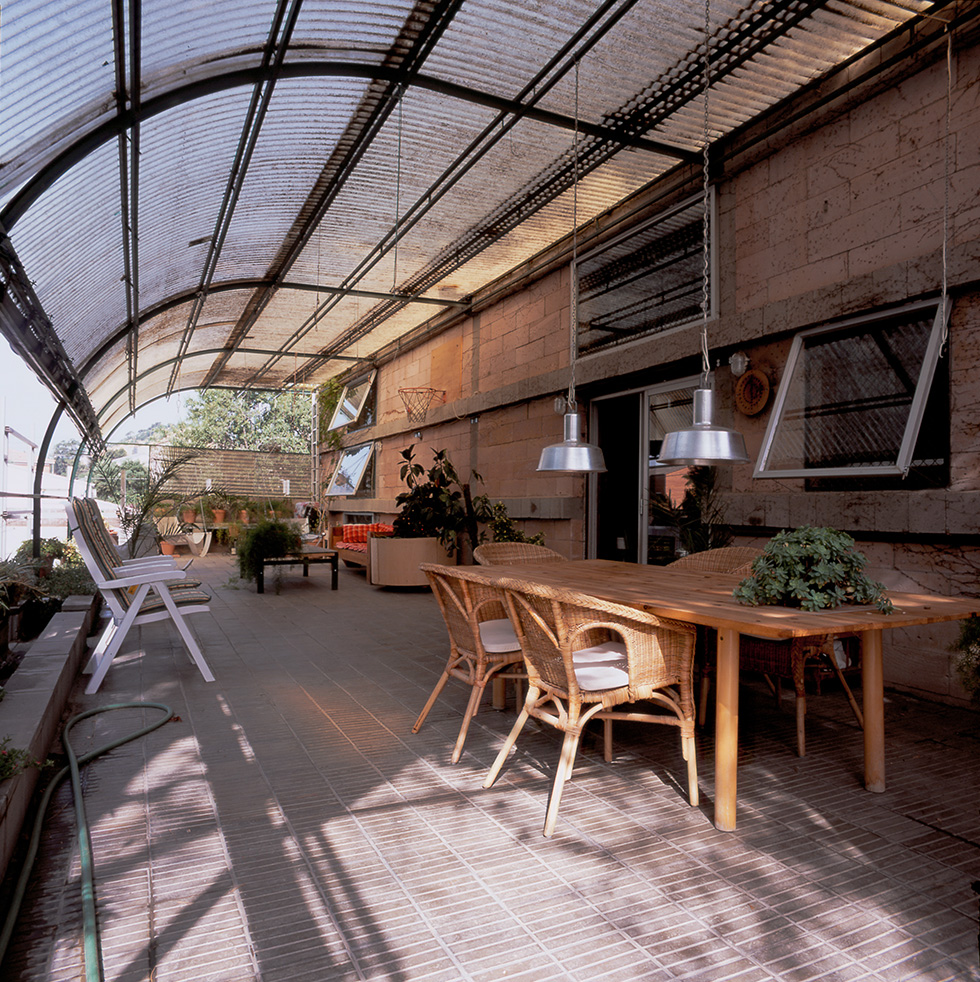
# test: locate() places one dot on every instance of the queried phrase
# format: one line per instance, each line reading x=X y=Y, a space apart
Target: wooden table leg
x=498 y=692
x=726 y=729
x=334 y=566
x=260 y=578
x=873 y=694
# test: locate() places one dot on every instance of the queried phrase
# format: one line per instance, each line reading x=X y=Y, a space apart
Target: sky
x=27 y=406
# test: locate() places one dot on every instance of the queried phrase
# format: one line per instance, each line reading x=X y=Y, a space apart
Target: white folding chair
x=135 y=593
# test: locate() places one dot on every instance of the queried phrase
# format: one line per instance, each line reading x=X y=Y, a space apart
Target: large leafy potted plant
x=436 y=516
x=813 y=569
x=265 y=540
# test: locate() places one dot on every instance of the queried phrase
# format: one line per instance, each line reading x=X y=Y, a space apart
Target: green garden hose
x=93 y=963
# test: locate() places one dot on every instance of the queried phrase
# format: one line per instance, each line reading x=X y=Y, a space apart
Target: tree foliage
x=246 y=419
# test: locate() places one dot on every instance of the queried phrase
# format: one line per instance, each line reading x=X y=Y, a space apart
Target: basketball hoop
x=417 y=401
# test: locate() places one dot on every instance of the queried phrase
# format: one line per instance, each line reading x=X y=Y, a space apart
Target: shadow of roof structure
x=286 y=824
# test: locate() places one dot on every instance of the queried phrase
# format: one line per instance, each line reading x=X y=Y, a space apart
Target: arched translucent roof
x=250 y=192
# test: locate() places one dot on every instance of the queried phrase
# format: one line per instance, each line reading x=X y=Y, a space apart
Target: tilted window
x=646 y=282
x=854 y=395
x=349 y=474
x=352 y=400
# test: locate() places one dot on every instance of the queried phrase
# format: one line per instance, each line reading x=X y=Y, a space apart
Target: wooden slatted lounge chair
x=482 y=643
x=585 y=657
x=135 y=593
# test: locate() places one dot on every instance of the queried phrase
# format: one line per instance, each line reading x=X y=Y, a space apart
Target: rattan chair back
x=727 y=559
x=482 y=643
x=512 y=553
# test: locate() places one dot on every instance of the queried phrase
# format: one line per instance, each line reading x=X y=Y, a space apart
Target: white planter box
x=395 y=562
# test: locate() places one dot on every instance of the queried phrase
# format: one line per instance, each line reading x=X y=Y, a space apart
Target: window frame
x=368 y=382
x=583 y=261
x=349 y=453
x=924 y=382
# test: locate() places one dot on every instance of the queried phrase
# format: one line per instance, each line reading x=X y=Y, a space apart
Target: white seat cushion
x=603 y=666
x=498 y=636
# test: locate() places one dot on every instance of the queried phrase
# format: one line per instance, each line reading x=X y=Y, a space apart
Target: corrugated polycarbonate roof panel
x=469 y=200
x=77 y=38
x=305 y=120
x=177 y=34
x=70 y=244
x=365 y=26
x=185 y=156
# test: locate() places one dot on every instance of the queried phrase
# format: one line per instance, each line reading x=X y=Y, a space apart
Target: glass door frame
x=648 y=392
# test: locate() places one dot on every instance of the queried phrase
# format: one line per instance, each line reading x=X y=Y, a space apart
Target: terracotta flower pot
x=220 y=515
x=188 y=515
x=167 y=548
x=243 y=515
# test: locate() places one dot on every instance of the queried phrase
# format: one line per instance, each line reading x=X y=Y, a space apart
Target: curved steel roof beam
x=273 y=55
x=78 y=150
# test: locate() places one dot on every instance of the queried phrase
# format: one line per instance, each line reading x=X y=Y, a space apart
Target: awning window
x=853 y=396
x=349 y=473
x=351 y=403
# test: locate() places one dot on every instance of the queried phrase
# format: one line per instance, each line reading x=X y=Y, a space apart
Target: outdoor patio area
x=287 y=825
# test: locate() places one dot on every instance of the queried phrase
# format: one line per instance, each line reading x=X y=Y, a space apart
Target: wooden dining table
x=705 y=598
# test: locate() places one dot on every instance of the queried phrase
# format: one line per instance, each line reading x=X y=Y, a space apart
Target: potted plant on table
x=265 y=540
x=813 y=569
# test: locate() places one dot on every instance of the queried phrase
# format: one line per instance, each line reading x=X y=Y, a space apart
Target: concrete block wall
x=841 y=219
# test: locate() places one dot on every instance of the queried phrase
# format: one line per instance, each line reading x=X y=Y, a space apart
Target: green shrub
x=503 y=529
x=14 y=760
x=811 y=568
x=266 y=540
x=968 y=663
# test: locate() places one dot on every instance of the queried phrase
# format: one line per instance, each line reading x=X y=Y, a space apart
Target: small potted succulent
x=813 y=569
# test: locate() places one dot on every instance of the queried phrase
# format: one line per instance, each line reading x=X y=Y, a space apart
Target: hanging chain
x=705 y=219
x=949 y=100
x=571 y=405
x=398 y=191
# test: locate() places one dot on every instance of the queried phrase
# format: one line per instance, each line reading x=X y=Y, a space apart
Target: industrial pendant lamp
x=573 y=455
x=703 y=443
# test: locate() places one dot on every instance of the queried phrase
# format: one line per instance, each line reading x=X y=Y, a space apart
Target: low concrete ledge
x=31 y=711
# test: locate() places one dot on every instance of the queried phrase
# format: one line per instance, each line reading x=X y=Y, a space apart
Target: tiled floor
x=287 y=825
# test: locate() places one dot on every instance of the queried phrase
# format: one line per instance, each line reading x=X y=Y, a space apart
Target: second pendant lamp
x=703 y=443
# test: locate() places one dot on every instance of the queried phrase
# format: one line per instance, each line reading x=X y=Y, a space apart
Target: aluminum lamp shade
x=703 y=444
x=572 y=455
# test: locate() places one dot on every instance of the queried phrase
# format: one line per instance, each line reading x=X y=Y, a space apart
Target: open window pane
x=351 y=402
x=853 y=395
x=644 y=283
x=350 y=470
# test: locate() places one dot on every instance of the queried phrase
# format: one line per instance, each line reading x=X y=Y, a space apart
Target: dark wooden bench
x=306 y=559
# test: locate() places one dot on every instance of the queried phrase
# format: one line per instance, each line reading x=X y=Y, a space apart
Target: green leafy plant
x=50 y=549
x=811 y=568
x=327 y=397
x=436 y=503
x=699 y=518
x=17 y=581
x=13 y=760
x=266 y=540
x=148 y=494
x=968 y=663
x=503 y=529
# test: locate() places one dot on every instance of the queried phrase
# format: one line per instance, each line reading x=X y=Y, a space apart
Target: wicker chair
x=510 y=553
x=774 y=659
x=586 y=656
x=726 y=559
x=482 y=643
x=789 y=660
